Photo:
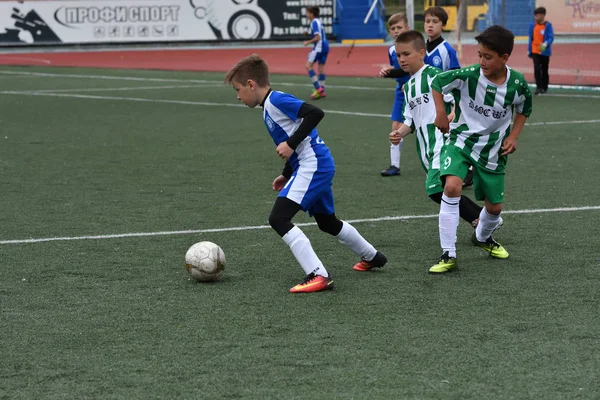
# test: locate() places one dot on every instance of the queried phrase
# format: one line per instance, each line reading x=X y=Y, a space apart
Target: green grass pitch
x=106 y=152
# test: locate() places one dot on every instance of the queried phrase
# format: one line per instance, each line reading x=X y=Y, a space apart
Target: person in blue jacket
x=541 y=36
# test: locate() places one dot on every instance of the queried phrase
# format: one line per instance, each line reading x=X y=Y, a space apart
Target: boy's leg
x=311 y=72
x=322 y=75
x=537 y=73
x=490 y=186
x=280 y=220
x=454 y=168
x=324 y=214
x=468 y=209
x=395 y=150
x=545 y=61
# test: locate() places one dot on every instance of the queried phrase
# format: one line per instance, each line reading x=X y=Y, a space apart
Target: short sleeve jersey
x=316 y=27
x=280 y=115
x=484 y=111
x=443 y=57
x=419 y=114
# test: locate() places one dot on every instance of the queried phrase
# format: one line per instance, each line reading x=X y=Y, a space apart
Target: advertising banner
x=573 y=16
x=107 y=21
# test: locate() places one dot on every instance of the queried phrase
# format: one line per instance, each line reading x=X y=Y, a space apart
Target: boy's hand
x=279 y=183
x=395 y=137
x=385 y=71
x=284 y=150
x=441 y=122
x=306 y=42
x=509 y=146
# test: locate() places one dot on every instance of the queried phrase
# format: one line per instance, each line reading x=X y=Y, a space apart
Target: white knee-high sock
x=350 y=238
x=448 y=223
x=395 y=153
x=487 y=224
x=304 y=253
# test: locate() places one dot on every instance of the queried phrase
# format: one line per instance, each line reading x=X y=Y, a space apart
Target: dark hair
x=498 y=39
x=314 y=10
x=540 y=10
x=413 y=37
x=252 y=67
x=396 y=18
x=439 y=12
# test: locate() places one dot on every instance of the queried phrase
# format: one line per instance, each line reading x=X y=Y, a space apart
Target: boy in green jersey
x=487 y=96
x=419 y=114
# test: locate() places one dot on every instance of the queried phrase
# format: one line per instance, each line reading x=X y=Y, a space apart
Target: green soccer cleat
x=494 y=248
x=444 y=264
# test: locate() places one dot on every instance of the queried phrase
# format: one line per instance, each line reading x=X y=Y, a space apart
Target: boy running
x=305 y=183
x=487 y=97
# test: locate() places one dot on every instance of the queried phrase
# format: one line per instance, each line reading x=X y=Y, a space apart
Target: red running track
x=571 y=64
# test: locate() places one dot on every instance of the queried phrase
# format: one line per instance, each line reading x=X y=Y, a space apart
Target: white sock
x=487 y=224
x=395 y=153
x=350 y=238
x=448 y=221
x=322 y=83
x=304 y=253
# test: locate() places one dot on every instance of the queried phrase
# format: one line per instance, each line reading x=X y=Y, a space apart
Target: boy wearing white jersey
x=440 y=53
x=487 y=96
x=419 y=115
x=305 y=183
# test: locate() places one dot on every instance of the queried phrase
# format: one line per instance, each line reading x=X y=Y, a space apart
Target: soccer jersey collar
x=495 y=84
x=432 y=45
x=266 y=97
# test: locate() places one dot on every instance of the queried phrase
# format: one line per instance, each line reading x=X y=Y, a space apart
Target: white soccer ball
x=205 y=261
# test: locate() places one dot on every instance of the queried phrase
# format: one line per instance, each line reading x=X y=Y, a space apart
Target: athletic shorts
x=488 y=184
x=433 y=182
x=398 y=106
x=312 y=190
x=318 y=57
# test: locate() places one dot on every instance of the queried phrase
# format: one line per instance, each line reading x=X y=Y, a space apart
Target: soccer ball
x=205 y=261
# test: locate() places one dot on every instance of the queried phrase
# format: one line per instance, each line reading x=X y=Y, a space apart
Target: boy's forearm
x=438 y=100
x=518 y=125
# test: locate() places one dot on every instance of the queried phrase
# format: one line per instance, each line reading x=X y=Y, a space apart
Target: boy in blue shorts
x=318 y=54
x=488 y=96
x=397 y=24
x=306 y=180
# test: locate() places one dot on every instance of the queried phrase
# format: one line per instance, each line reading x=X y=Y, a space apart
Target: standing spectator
x=541 y=36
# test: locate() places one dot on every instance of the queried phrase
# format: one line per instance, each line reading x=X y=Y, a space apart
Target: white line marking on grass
x=257 y=227
x=206 y=103
x=275 y=84
x=118 y=89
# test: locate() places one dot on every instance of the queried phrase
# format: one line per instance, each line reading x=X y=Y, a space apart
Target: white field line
x=257 y=227
x=119 y=89
x=211 y=104
x=349 y=87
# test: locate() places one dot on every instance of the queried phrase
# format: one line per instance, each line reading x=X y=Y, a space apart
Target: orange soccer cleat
x=313 y=283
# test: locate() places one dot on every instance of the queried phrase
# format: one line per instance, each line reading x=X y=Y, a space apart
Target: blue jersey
x=281 y=118
x=316 y=27
x=394 y=63
x=442 y=57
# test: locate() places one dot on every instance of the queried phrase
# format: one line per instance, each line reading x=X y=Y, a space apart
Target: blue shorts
x=320 y=57
x=312 y=190
x=398 y=106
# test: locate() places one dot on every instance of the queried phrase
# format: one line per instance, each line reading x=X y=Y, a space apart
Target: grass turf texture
x=119 y=318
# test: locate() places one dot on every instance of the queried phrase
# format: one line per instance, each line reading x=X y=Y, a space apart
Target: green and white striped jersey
x=419 y=114
x=484 y=111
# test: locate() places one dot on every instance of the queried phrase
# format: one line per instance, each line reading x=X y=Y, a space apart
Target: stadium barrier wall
x=48 y=22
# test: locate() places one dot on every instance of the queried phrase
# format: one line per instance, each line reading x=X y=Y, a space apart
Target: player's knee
x=437 y=197
x=329 y=224
x=453 y=186
x=280 y=224
x=493 y=209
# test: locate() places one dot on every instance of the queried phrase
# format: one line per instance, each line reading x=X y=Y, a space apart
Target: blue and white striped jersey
x=281 y=118
x=316 y=27
x=443 y=57
x=394 y=63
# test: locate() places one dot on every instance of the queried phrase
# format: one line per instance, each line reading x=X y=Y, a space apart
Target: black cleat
x=391 y=171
